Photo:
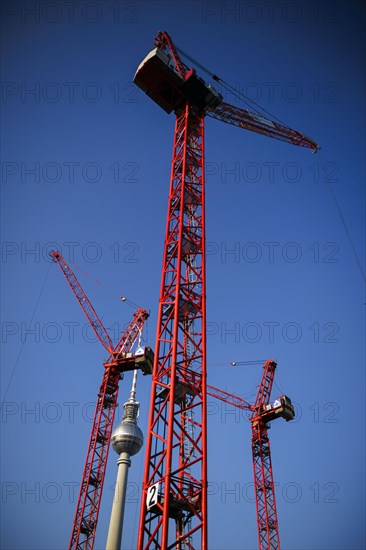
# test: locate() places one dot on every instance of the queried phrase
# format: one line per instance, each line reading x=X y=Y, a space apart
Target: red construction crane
x=174 y=501
x=119 y=361
x=262 y=412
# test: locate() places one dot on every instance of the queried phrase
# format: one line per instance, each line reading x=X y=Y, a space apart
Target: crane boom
x=265 y=386
x=84 y=302
x=261 y=125
x=129 y=337
x=230 y=398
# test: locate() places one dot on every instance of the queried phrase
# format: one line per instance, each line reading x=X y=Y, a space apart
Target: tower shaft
x=117 y=515
x=174 y=501
x=127 y=440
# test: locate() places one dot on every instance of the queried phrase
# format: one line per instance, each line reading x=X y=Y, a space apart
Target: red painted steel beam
x=84 y=302
x=259 y=124
x=164 y=42
x=229 y=398
x=176 y=449
x=267 y=523
x=265 y=387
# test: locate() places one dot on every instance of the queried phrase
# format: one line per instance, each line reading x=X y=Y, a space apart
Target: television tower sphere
x=127 y=436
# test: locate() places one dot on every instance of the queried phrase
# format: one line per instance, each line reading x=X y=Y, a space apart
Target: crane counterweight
x=160 y=80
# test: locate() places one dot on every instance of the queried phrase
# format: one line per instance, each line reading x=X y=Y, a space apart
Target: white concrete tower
x=127 y=440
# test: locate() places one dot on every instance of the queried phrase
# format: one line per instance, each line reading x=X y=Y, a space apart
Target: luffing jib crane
x=262 y=412
x=176 y=447
x=119 y=361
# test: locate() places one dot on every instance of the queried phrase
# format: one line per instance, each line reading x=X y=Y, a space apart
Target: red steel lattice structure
x=176 y=441
x=267 y=523
x=174 y=500
x=261 y=414
x=88 y=504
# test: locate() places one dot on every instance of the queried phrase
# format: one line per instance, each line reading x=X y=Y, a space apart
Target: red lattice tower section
x=268 y=535
x=175 y=478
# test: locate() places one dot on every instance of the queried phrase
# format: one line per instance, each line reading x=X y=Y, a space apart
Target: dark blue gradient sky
x=85 y=167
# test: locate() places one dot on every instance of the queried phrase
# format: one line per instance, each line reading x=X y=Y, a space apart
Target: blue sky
x=85 y=166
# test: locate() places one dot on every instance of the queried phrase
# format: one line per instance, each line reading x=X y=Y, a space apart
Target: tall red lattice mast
x=174 y=500
x=176 y=472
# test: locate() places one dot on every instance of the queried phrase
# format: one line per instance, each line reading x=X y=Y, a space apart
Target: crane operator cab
x=282 y=407
x=143 y=359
